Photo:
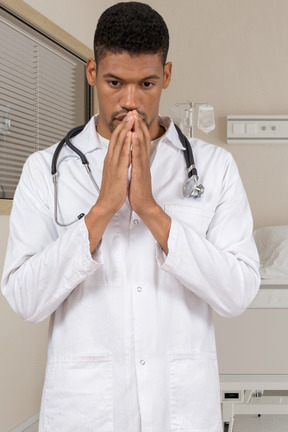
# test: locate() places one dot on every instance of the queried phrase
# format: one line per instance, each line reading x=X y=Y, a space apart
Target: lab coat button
x=135 y=221
x=139 y=289
x=142 y=362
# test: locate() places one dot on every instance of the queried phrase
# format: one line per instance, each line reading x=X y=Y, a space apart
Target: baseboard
x=29 y=422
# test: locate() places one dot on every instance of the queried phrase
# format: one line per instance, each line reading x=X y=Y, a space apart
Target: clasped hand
x=129 y=145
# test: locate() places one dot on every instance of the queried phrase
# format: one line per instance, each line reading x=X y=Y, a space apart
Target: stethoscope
x=191 y=188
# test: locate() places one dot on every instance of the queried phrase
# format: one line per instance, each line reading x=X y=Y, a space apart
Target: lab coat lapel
x=168 y=153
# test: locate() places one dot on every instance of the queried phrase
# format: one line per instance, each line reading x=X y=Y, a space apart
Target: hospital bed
x=246 y=394
x=261 y=394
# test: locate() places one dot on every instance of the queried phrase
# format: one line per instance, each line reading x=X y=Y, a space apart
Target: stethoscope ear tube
x=68 y=137
x=55 y=157
x=66 y=140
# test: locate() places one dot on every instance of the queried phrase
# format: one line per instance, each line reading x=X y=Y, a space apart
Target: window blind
x=39 y=99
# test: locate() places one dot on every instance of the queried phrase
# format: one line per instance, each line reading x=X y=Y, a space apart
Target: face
x=125 y=83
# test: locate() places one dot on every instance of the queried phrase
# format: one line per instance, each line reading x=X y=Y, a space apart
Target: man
x=131 y=286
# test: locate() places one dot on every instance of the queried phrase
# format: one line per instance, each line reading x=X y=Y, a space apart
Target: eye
x=114 y=83
x=147 y=84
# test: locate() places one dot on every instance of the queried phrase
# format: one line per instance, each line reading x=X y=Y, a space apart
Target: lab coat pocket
x=193 y=217
x=78 y=394
x=194 y=392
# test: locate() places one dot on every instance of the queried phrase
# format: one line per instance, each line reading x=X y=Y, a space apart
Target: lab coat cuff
x=97 y=256
x=168 y=261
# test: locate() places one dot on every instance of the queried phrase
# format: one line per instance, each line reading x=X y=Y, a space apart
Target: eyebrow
x=110 y=75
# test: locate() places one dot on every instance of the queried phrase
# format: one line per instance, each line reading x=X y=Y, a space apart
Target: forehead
x=125 y=65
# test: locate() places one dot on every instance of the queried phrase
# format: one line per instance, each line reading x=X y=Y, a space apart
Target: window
x=43 y=95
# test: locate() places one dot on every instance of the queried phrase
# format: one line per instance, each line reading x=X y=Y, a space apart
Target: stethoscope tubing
x=67 y=141
x=188 y=154
x=191 y=186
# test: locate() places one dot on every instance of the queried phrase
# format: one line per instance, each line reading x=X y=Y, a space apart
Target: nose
x=129 y=98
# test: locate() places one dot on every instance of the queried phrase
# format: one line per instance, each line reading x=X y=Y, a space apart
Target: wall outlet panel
x=257 y=129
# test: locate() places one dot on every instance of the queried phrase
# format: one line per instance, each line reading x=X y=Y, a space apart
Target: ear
x=91 y=71
x=167 y=74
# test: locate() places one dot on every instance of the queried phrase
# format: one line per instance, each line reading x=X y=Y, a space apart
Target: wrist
x=159 y=223
x=96 y=222
x=103 y=210
x=149 y=211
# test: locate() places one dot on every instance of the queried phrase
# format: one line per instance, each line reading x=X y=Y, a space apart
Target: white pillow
x=272 y=245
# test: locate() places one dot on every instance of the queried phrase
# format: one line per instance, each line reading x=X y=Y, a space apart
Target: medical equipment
x=206 y=120
x=191 y=186
x=252 y=399
x=184 y=117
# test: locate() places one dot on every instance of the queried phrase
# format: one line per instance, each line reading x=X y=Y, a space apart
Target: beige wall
x=233 y=54
x=23 y=354
x=77 y=17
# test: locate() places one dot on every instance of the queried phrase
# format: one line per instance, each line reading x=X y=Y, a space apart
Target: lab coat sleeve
x=41 y=268
x=222 y=266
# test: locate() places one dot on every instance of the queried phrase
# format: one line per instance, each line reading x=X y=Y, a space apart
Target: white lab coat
x=131 y=344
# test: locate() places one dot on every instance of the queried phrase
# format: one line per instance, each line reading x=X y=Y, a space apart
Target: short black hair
x=133 y=27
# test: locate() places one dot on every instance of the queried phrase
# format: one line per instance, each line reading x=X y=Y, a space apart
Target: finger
x=142 y=137
x=119 y=138
x=142 y=126
x=126 y=148
x=119 y=133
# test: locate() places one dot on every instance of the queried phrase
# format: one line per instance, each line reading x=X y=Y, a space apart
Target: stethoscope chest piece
x=193 y=188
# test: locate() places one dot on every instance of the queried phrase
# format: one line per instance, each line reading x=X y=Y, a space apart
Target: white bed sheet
x=272 y=244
